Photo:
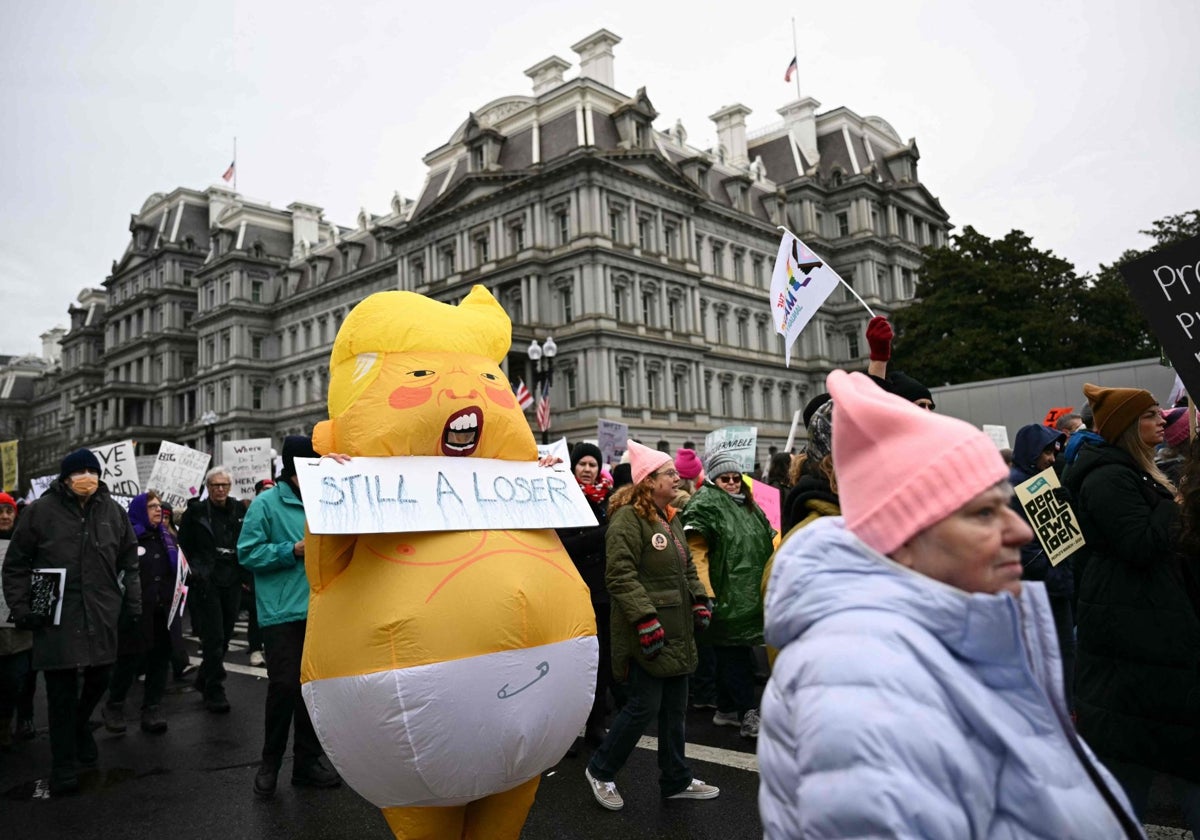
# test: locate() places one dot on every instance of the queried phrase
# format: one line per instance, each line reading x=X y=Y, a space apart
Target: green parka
x=739 y=542
x=645 y=580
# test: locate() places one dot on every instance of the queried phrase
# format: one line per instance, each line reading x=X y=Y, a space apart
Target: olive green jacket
x=644 y=581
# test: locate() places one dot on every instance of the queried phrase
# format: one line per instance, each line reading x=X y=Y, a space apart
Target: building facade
x=648 y=261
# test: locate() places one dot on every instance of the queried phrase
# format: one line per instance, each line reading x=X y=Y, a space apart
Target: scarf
x=599 y=491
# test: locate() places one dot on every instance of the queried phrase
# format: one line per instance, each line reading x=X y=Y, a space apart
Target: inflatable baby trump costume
x=443 y=670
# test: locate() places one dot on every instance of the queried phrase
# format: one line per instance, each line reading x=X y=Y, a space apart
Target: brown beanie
x=1116 y=408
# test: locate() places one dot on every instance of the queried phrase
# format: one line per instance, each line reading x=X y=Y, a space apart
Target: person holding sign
x=1137 y=679
x=75 y=529
x=658 y=603
x=917 y=691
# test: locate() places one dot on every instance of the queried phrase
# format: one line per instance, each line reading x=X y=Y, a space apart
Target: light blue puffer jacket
x=903 y=707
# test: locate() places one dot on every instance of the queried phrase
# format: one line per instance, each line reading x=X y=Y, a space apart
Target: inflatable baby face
x=448 y=398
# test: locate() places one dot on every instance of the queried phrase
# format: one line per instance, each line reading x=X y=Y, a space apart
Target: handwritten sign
x=419 y=493
x=1054 y=414
x=1051 y=518
x=998 y=434
x=180 y=597
x=1166 y=287
x=178 y=473
x=119 y=468
x=8 y=465
x=739 y=441
x=39 y=485
x=612 y=438
x=559 y=450
x=249 y=461
x=767 y=498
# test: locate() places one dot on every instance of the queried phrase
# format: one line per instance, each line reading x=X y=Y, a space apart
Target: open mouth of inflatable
x=461 y=434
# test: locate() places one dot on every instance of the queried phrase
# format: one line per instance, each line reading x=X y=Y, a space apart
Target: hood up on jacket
x=1076 y=442
x=140 y=520
x=1030 y=443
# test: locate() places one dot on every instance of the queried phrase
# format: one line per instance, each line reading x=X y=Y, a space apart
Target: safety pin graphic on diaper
x=543 y=670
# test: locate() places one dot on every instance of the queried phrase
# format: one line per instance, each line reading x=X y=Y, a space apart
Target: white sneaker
x=257 y=659
x=726 y=719
x=697 y=790
x=606 y=792
x=750 y=724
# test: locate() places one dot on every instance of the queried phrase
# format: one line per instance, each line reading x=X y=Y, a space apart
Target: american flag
x=543 y=408
x=228 y=176
x=524 y=398
x=791 y=68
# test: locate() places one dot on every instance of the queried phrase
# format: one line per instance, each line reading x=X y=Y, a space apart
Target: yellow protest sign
x=1052 y=519
x=8 y=465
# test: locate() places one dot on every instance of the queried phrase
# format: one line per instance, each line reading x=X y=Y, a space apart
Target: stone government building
x=647 y=259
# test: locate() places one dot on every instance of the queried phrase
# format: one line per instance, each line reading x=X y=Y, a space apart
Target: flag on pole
x=228 y=176
x=787 y=76
x=543 y=407
x=524 y=398
x=799 y=285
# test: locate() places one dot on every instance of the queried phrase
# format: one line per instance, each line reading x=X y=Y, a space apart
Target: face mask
x=84 y=484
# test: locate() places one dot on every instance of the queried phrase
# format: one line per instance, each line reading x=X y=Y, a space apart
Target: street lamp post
x=542 y=357
x=209 y=420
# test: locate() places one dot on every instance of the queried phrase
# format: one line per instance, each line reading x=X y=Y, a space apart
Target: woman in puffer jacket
x=918 y=691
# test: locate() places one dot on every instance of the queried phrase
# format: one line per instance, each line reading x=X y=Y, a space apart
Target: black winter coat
x=94 y=544
x=157 y=573
x=1137 y=678
x=211 y=559
x=585 y=546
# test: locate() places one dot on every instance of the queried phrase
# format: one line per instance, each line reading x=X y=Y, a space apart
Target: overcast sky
x=1077 y=122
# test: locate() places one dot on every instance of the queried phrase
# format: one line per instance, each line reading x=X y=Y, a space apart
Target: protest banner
x=613 y=439
x=424 y=493
x=998 y=434
x=39 y=485
x=8 y=465
x=1166 y=287
x=178 y=473
x=249 y=462
x=1052 y=519
x=767 y=498
x=1054 y=414
x=118 y=468
x=559 y=450
x=740 y=441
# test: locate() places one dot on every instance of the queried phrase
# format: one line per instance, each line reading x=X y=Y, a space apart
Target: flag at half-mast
x=228 y=176
x=799 y=285
x=787 y=76
x=524 y=398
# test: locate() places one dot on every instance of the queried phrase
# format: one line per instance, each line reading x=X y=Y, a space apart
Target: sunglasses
x=729 y=478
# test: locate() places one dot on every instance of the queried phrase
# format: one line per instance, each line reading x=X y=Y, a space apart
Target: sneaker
x=750 y=724
x=113 y=715
x=697 y=790
x=216 y=701
x=153 y=720
x=315 y=774
x=605 y=792
x=726 y=719
x=701 y=705
x=25 y=730
x=265 y=780
x=63 y=783
x=257 y=659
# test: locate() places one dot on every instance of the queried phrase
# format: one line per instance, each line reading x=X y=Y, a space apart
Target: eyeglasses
x=729 y=478
x=667 y=473
x=153 y=506
x=215 y=486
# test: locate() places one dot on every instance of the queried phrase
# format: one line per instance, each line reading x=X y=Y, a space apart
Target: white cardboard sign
x=426 y=493
x=178 y=473
x=249 y=461
x=119 y=468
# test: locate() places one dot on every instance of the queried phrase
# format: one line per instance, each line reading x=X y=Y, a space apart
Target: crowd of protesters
x=934 y=672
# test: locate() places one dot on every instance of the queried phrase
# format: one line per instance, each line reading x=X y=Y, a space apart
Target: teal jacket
x=273 y=525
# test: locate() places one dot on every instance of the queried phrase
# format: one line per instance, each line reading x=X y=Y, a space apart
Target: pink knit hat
x=643 y=460
x=688 y=463
x=1176 y=432
x=900 y=468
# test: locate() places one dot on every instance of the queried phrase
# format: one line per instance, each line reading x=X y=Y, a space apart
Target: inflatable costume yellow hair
x=444 y=671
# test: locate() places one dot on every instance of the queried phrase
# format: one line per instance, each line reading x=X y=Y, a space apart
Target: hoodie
x=900 y=706
x=1030 y=442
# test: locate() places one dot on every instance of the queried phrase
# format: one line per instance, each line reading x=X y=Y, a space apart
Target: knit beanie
x=688 y=463
x=720 y=463
x=903 y=385
x=1089 y=420
x=812 y=405
x=900 y=468
x=820 y=433
x=1176 y=433
x=643 y=460
x=1115 y=409
x=295 y=446
x=584 y=449
x=78 y=461
x=622 y=475
x=6 y=499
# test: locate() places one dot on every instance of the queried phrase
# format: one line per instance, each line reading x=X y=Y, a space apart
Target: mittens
x=879 y=336
x=650 y=636
x=701 y=615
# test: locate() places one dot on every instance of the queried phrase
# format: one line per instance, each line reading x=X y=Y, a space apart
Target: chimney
x=547 y=75
x=595 y=56
x=52 y=344
x=731 y=133
x=801 y=119
x=306 y=224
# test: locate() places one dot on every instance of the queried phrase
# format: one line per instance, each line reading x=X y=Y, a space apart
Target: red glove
x=879 y=336
x=650 y=636
x=701 y=615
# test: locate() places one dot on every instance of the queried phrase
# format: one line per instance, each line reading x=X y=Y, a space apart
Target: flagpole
x=796 y=55
x=235 y=167
x=839 y=277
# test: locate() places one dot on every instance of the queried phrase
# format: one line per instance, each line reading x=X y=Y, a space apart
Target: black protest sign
x=1166 y=287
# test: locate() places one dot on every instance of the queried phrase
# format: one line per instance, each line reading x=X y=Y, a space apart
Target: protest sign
x=998 y=434
x=612 y=438
x=1053 y=415
x=767 y=498
x=4 y=610
x=39 y=485
x=423 y=493
x=740 y=441
x=181 y=575
x=800 y=283
x=559 y=450
x=1052 y=519
x=46 y=587
x=118 y=468
x=8 y=465
x=178 y=473
x=1166 y=287
x=249 y=461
